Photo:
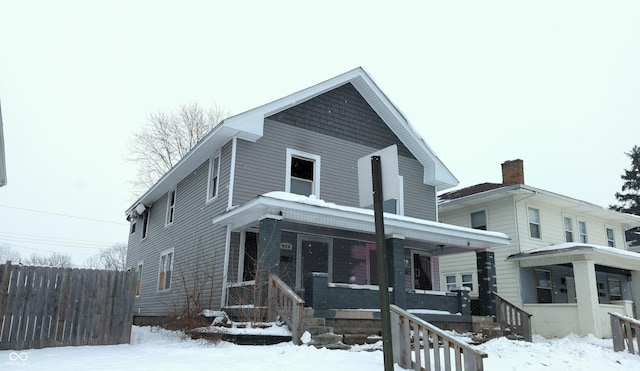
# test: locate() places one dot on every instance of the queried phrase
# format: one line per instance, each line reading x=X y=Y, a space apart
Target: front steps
x=322 y=336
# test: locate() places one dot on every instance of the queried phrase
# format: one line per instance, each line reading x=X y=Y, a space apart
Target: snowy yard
x=153 y=349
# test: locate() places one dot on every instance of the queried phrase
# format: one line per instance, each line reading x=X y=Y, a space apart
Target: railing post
x=616 y=333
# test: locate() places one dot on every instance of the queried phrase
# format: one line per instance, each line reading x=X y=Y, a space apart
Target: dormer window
x=303 y=173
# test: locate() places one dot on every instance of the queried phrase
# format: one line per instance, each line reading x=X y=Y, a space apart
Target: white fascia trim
x=225 y=271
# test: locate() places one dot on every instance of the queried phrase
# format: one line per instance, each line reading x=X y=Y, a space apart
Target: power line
x=41 y=238
x=63 y=215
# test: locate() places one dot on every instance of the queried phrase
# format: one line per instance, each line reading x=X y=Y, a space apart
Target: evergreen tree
x=629 y=197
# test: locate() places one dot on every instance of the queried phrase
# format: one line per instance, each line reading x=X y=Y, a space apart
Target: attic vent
x=286 y=246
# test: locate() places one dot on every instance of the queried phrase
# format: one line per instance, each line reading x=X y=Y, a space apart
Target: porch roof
x=317 y=212
x=565 y=253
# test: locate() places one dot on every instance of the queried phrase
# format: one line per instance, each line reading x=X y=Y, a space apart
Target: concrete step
x=322 y=340
x=318 y=330
x=359 y=339
x=313 y=322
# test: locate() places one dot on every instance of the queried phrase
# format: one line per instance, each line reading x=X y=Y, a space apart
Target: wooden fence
x=48 y=307
x=418 y=345
x=623 y=331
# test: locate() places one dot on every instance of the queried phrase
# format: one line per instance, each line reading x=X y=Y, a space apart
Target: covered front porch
x=570 y=287
x=327 y=254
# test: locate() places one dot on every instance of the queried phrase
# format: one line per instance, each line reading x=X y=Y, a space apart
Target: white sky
x=555 y=84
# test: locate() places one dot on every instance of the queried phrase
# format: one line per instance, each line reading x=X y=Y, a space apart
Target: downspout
x=232 y=172
x=225 y=270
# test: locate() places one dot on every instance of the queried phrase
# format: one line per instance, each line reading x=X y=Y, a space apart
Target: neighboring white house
x=567 y=263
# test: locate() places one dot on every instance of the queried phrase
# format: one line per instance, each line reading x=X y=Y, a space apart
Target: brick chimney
x=513 y=172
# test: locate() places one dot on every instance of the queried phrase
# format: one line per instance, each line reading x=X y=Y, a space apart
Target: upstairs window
x=214 y=177
x=582 y=230
x=132 y=227
x=479 y=220
x=534 y=223
x=611 y=241
x=568 y=229
x=303 y=173
x=166 y=268
x=171 y=207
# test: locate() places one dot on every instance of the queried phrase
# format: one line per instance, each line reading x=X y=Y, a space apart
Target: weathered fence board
x=45 y=307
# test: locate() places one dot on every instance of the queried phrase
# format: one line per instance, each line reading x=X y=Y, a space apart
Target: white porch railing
x=623 y=331
x=432 y=348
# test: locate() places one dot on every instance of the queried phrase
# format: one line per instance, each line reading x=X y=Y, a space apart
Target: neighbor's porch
x=571 y=288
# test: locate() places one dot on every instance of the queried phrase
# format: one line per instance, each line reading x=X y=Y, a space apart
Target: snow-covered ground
x=153 y=349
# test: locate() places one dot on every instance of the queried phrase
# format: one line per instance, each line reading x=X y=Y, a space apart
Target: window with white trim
x=479 y=220
x=464 y=279
x=534 y=222
x=611 y=240
x=582 y=231
x=145 y=222
x=615 y=288
x=139 y=279
x=214 y=177
x=165 y=270
x=171 y=207
x=568 y=229
x=132 y=227
x=303 y=173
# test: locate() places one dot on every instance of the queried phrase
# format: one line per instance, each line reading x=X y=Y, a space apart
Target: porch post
x=486 y=266
x=269 y=233
x=395 y=261
x=587 y=298
x=635 y=291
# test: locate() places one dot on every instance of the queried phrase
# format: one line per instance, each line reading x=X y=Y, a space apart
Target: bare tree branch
x=169 y=137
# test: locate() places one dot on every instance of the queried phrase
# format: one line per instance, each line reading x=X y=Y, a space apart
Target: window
x=544 y=289
x=479 y=220
x=534 y=223
x=582 y=230
x=611 y=241
x=568 y=229
x=460 y=280
x=139 y=279
x=171 y=207
x=250 y=262
x=214 y=177
x=303 y=173
x=615 y=289
x=145 y=223
x=166 y=267
x=132 y=227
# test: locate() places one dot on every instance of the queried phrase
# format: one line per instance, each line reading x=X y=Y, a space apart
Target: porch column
x=486 y=267
x=269 y=233
x=635 y=291
x=395 y=260
x=587 y=298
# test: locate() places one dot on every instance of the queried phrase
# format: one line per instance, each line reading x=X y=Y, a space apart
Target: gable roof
x=487 y=192
x=249 y=126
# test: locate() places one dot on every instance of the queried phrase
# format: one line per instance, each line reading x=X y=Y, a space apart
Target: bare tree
x=8 y=253
x=167 y=138
x=113 y=258
x=53 y=260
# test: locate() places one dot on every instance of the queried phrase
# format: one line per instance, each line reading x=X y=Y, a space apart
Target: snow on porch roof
x=313 y=211
x=573 y=251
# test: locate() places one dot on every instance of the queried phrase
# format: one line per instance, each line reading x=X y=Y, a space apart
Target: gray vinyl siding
x=198 y=244
x=266 y=160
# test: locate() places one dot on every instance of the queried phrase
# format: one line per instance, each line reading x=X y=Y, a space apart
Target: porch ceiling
x=316 y=212
x=571 y=252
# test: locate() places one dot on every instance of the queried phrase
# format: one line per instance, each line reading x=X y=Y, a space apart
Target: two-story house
x=275 y=190
x=567 y=264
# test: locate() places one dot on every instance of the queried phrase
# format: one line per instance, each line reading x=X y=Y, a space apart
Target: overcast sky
x=556 y=84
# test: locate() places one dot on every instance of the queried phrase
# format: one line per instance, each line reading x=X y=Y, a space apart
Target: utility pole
x=383 y=272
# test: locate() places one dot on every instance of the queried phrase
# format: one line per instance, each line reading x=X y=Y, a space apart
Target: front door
x=313 y=256
x=571 y=289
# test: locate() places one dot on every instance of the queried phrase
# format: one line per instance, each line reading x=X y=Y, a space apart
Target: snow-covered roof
x=574 y=251
x=487 y=192
x=309 y=210
x=249 y=126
